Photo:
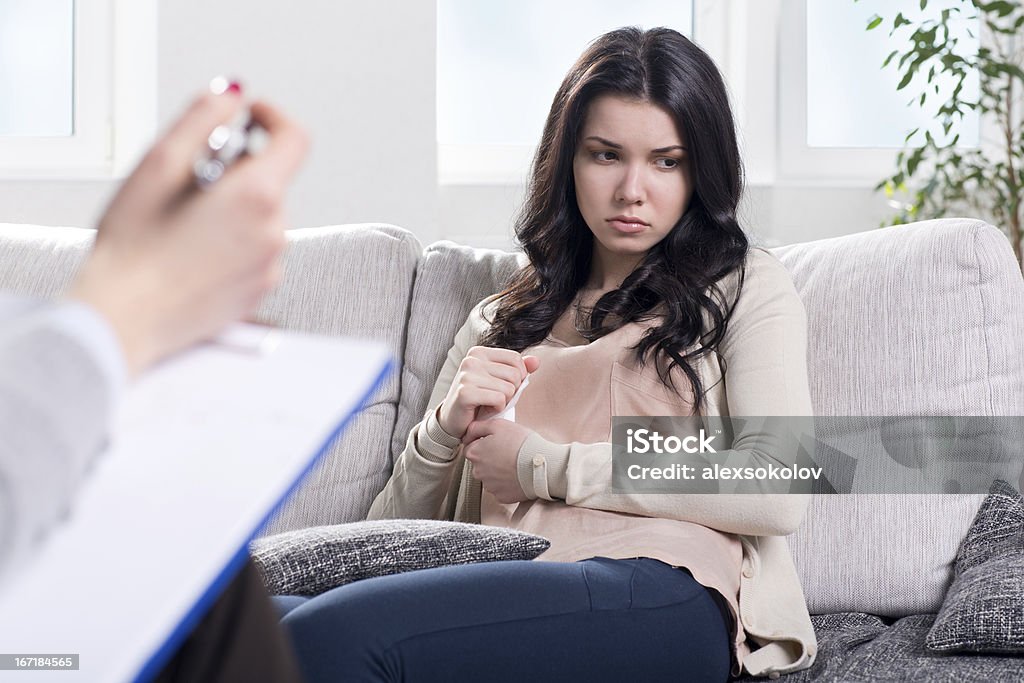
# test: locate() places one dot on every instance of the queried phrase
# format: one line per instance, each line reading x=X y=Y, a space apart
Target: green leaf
x=911 y=134
x=873 y=22
x=913 y=162
x=924 y=3
x=1013 y=70
x=950 y=60
x=1000 y=7
x=889 y=58
x=906 y=80
x=900 y=20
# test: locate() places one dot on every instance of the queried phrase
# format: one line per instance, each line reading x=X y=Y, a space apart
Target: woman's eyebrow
x=615 y=145
x=603 y=141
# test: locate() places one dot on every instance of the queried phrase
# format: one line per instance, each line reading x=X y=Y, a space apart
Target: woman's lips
x=627 y=225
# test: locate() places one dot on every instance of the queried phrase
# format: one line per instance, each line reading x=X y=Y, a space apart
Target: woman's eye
x=667 y=162
x=605 y=156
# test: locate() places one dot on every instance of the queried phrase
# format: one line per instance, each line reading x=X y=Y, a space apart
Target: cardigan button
x=748 y=573
x=773 y=675
x=538 y=461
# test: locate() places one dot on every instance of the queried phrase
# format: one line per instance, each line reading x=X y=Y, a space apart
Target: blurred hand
x=493 y=448
x=173 y=265
x=487 y=378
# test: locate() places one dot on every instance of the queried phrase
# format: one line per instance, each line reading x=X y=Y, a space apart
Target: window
x=499 y=64
x=77 y=86
x=37 y=78
x=841 y=117
x=851 y=100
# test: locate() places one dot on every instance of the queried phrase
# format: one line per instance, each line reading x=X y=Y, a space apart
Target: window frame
x=114 y=98
x=801 y=164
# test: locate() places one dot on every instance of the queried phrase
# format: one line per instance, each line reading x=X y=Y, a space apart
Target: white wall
x=360 y=76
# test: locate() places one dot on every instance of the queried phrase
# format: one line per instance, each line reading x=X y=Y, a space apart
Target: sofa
x=921 y=319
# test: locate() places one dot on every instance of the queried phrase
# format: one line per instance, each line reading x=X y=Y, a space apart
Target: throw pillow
x=312 y=561
x=984 y=608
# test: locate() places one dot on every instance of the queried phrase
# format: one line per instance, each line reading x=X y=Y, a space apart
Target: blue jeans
x=589 y=621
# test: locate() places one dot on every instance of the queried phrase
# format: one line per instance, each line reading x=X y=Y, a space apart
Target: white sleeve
x=61 y=374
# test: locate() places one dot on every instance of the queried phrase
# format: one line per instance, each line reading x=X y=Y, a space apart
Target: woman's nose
x=630 y=189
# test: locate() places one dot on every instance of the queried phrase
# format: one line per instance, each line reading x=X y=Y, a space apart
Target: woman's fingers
x=473 y=397
x=504 y=387
x=502 y=357
x=479 y=429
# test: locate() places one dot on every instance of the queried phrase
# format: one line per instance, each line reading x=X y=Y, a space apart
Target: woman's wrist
x=434 y=442
x=542 y=468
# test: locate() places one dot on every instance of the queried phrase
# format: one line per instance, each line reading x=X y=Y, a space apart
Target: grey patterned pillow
x=311 y=561
x=984 y=608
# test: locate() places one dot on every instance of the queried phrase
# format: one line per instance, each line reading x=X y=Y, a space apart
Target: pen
x=227 y=143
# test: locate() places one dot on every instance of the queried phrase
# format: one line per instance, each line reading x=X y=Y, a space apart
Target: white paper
x=205 y=447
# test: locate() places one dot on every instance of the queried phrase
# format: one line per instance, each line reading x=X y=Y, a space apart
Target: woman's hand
x=172 y=265
x=493 y=448
x=487 y=378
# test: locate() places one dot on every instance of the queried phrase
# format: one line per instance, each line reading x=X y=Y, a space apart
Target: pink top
x=571 y=398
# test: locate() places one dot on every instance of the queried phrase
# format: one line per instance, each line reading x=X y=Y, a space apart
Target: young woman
x=641 y=297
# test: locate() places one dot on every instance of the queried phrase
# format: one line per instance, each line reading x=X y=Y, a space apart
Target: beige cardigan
x=765 y=352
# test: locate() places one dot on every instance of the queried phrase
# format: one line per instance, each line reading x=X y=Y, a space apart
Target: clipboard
x=205 y=448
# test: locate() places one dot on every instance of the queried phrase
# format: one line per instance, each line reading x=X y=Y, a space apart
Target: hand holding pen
x=173 y=264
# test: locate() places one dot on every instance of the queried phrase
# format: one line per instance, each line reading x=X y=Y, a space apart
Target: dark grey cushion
x=984 y=608
x=862 y=648
x=311 y=561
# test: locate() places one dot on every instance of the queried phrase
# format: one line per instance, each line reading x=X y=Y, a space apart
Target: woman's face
x=632 y=175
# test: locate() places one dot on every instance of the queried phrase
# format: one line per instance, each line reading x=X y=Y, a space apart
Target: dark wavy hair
x=677 y=278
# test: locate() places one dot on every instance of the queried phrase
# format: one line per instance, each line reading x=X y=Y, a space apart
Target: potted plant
x=934 y=177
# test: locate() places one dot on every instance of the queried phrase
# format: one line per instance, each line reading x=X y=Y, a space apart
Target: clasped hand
x=486 y=380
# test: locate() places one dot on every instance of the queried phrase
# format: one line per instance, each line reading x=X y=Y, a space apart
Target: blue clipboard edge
x=192 y=618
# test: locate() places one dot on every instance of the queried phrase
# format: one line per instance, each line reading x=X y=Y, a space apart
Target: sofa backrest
x=450 y=280
x=40 y=261
x=923 y=319
x=919 y=319
x=348 y=280
x=356 y=281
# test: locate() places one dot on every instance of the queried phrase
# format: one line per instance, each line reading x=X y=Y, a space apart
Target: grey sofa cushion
x=356 y=281
x=984 y=608
x=861 y=647
x=921 y=319
x=450 y=280
x=996 y=531
x=311 y=561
